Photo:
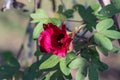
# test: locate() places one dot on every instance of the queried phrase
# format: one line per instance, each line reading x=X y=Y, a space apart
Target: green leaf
x=59 y=16
x=79 y=75
x=103 y=41
x=39 y=15
x=37 y=53
x=95 y=7
x=55 y=21
x=41 y=18
x=87 y=15
x=68 y=13
x=115 y=50
x=92 y=75
x=109 y=10
x=37 y=30
x=57 y=76
x=60 y=9
x=111 y=34
x=50 y=62
x=76 y=63
x=49 y=75
x=104 y=25
x=102 y=66
x=102 y=50
x=10 y=65
x=69 y=57
x=63 y=66
x=32 y=72
x=116 y=3
x=82 y=69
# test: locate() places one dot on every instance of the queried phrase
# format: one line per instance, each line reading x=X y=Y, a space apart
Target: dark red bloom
x=54 y=40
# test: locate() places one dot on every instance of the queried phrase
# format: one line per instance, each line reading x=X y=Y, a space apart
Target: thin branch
x=63 y=4
x=74 y=20
x=37 y=5
x=54 y=5
x=101 y=3
x=29 y=27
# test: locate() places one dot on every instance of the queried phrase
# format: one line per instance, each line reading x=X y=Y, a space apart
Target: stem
x=63 y=4
x=36 y=6
x=22 y=46
x=74 y=20
x=54 y=5
x=101 y=3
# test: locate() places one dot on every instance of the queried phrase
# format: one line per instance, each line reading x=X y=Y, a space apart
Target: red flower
x=54 y=40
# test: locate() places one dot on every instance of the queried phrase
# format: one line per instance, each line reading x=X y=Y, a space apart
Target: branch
x=54 y=5
x=74 y=20
x=63 y=4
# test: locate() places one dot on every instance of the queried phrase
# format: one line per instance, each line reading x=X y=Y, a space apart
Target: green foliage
x=37 y=53
x=76 y=63
x=48 y=76
x=103 y=41
x=79 y=64
x=32 y=72
x=63 y=66
x=115 y=50
x=67 y=13
x=102 y=35
x=109 y=10
x=10 y=67
x=111 y=34
x=69 y=57
x=50 y=62
x=93 y=74
x=104 y=25
x=84 y=58
x=102 y=50
x=116 y=3
x=40 y=17
x=87 y=15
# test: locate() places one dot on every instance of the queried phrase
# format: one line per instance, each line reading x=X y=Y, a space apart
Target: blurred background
x=13 y=25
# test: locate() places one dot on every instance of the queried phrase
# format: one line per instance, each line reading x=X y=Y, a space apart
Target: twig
x=54 y=5
x=63 y=4
x=74 y=20
x=101 y=3
x=21 y=48
x=38 y=2
x=36 y=6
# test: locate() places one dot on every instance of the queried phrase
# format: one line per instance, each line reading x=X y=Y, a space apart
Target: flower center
x=60 y=39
